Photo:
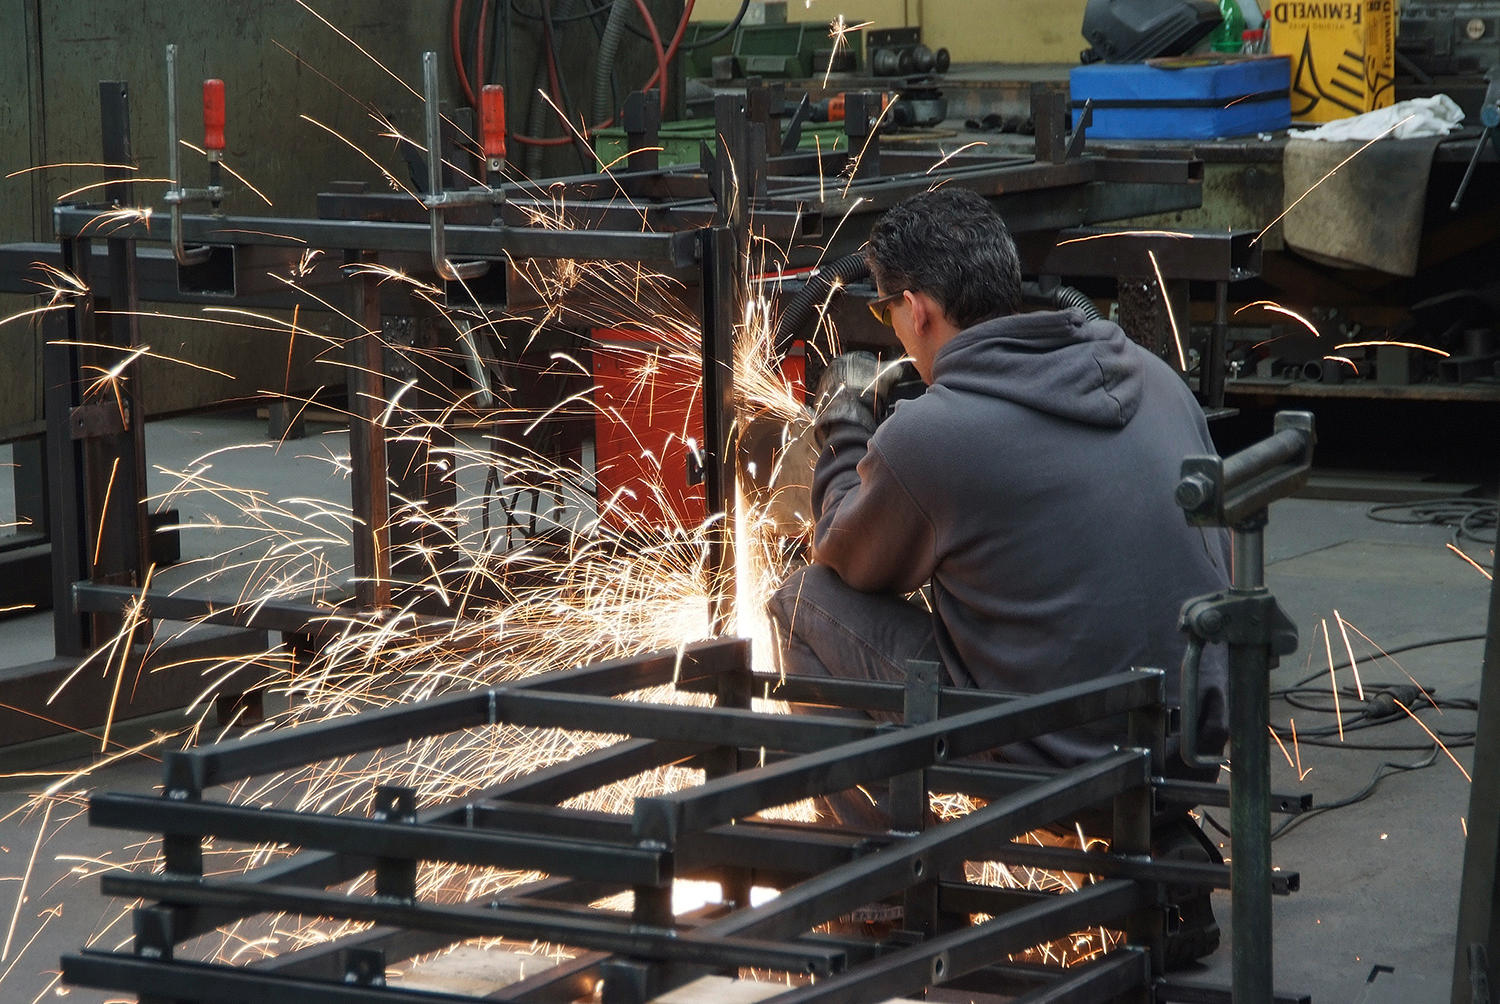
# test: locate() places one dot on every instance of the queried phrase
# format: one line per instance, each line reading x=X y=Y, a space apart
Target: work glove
x=852 y=387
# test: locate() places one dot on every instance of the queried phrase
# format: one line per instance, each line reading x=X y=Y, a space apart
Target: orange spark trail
x=25 y=879
x=1359 y=688
x=1161 y=284
x=80 y=163
x=1441 y=745
x=1333 y=683
x=1332 y=171
x=109 y=488
x=1298 y=750
x=1477 y=566
x=1402 y=345
x=1128 y=233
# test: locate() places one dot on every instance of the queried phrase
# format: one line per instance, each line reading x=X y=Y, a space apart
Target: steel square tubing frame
x=677 y=249
x=661 y=818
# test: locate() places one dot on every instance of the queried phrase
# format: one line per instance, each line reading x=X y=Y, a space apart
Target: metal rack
x=708 y=831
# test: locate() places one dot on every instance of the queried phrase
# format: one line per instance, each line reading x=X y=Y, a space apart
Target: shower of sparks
x=1161 y=284
x=1344 y=360
x=1332 y=171
x=546 y=568
x=838 y=30
x=1403 y=345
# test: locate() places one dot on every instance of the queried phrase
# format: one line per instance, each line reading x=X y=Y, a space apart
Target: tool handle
x=213 y=114
x=492 y=121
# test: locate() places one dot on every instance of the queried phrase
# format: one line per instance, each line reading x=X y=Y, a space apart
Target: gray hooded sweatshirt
x=1032 y=485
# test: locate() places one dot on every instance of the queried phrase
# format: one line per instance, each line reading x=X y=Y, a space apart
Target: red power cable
x=458 y=50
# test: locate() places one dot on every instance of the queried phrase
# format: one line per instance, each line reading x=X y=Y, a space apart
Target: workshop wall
x=279 y=62
x=973 y=31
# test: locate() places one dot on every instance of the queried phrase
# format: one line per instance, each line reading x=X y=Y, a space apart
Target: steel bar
x=401 y=841
x=953 y=954
x=369 y=489
x=128 y=544
x=70 y=630
x=892 y=869
x=202 y=982
x=889 y=753
x=562 y=781
x=1478 y=939
x=497 y=243
x=195 y=770
x=722 y=279
x=1103 y=979
x=580 y=927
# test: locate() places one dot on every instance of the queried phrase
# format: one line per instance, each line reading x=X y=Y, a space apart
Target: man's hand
x=851 y=388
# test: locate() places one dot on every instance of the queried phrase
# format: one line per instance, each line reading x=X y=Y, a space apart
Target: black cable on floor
x=1470 y=519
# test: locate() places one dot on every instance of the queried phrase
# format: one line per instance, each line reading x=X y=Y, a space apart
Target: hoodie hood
x=1056 y=362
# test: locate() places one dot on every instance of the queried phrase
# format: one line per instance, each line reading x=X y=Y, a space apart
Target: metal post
x=367 y=460
x=1478 y=940
x=721 y=298
x=1211 y=365
x=70 y=630
x=1250 y=782
x=128 y=507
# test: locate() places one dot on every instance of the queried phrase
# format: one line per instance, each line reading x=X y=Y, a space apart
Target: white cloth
x=1432 y=116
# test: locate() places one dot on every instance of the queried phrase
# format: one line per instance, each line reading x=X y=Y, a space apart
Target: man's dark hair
x=951 y=244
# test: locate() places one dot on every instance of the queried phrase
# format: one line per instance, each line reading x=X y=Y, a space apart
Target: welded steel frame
x=709 y=830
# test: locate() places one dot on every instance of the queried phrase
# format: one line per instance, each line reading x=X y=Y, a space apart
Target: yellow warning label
x=1343 y=55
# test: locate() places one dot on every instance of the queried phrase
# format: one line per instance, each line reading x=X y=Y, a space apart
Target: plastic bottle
x=1229 y=35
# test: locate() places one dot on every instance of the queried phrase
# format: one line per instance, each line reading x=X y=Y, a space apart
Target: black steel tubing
x=393 y=840
x=498 y=243
x=892 y=752
x=892 y=869
x=951 y=955
x=581 y=927
x=195 y=770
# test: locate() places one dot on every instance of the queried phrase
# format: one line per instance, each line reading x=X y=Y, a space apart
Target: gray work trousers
x=826 y=628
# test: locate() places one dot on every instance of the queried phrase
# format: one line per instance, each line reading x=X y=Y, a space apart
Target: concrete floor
x=1374 y=920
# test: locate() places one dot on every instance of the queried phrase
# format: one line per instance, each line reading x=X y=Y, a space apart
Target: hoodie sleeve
x=869 y=528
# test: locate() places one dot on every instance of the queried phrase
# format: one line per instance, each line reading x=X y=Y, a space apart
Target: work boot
x=1197 y=933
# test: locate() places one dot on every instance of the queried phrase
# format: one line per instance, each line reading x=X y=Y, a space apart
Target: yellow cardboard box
x=1343 y=55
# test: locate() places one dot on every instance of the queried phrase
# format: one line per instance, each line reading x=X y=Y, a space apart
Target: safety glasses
x=881 y=307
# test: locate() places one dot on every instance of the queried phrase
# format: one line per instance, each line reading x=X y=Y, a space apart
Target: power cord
x=1470 y=519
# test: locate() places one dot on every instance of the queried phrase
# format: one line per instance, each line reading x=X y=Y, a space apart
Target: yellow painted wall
x=974 y=31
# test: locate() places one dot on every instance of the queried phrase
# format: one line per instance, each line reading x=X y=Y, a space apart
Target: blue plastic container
x=1186 y=98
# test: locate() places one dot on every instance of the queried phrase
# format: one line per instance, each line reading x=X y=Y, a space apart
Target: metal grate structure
x=752 y=761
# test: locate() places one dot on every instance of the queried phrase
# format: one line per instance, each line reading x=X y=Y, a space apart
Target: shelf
x=1478 y=393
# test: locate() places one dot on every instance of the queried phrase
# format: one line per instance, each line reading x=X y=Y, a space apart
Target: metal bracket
x=177 y=195
x=437 y=199
x=1218 y=491
x=95 y=421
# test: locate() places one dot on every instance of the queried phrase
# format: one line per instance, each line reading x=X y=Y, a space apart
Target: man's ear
x=922 y=306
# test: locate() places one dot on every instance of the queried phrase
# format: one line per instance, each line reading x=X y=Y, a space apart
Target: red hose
x=663 y=57
x=458 y=51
